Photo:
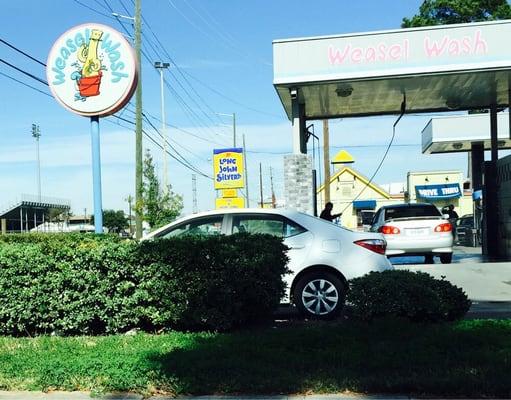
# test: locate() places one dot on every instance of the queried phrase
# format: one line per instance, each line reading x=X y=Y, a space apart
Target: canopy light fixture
x=344 y=90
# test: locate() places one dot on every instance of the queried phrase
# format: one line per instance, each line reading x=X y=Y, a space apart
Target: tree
x=440 y=12
x=115 y=221
x=158 y=207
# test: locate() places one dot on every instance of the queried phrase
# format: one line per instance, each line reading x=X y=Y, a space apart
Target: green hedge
x=416 y=296
x=86 y=284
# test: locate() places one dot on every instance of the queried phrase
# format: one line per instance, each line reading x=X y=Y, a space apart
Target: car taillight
x=376 y=245
x=389 y=230
x=445 y=227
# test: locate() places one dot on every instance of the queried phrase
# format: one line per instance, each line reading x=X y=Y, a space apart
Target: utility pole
x=194 y=193
x=161 y=66
x=326 y=159
x=129 y=199
x=246 y=170
x=273 y=200
x=261 y=183
x=138 y=123
x=36 y=133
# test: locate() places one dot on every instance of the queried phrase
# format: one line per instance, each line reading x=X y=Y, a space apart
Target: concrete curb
x=26 y=395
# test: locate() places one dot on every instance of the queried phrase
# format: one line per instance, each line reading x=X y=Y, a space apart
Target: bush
x=213 y=282
x=416 y=296
x=89 y=284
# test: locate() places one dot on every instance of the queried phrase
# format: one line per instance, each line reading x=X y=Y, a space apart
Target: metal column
x=490 y=194
x=298 y=120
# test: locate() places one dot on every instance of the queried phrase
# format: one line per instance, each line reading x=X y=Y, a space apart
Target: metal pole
x=246 y=170
x=36 y=133
x=326 y=159
x=161 y=66
x=138 y=124
x=21 y=219
x=234 y=129
x=165 y=171
x=96 y=174
x=194 y=193
x=261 y=183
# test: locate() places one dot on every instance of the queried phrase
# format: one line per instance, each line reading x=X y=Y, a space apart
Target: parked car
x=465 y=231
x=415 y=229
x=322 y=256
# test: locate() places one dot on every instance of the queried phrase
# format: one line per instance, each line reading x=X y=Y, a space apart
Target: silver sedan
x=415 y=229
x=322 y=256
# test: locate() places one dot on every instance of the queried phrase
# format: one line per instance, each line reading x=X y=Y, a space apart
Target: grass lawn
x=468 y=358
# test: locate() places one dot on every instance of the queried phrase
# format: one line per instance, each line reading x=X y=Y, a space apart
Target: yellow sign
x=229 y=193
x=228 y=168
x=235 y=202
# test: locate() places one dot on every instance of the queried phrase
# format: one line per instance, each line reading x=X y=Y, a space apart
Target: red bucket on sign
x=89 y=85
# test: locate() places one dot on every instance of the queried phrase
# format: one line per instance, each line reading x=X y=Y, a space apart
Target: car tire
x=428 y=259
x=319 y=295
x=446 y=258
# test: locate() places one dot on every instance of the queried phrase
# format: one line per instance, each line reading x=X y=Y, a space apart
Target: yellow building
x=353 y=195
x=440 y=188
x=357 y=199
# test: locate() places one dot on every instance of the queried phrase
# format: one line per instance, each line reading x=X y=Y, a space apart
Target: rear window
x=411 y=212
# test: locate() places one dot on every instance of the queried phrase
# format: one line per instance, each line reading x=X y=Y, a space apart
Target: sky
x=221 y=63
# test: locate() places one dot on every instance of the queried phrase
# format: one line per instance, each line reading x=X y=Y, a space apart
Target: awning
x=364 y=204
x=438 y=192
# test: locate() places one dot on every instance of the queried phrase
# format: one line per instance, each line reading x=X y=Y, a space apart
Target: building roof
x=360 y=177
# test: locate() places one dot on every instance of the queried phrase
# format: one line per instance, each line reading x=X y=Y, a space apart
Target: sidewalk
x=125 y=396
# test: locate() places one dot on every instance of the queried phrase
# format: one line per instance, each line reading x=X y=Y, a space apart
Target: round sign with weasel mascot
x=92 y=70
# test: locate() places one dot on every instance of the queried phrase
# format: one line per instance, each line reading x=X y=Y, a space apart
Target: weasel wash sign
x=92 y=70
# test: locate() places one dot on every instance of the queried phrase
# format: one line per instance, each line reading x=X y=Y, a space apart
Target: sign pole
x=96 y=174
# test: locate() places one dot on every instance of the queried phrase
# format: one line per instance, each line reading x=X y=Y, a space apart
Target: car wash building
x=418 y=70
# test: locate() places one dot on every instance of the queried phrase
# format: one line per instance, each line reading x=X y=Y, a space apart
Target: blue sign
x=438 y=192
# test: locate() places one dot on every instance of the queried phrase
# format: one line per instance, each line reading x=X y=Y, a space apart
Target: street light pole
x=234 y=129
x=233 y=115
x=36 y=133
x=161 y=66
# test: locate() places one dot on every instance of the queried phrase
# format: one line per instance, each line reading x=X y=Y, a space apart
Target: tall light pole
x=36 y=133
x=161 y=66
x=233 y=115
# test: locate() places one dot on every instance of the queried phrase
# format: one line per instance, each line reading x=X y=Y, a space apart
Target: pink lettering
x=435 y=49
x=465 y=45
x=395 y=52
x=480 y=43
x=371 y=54
x=336 y=57
x=454 y=48
x=382 y=50
x=356 y=55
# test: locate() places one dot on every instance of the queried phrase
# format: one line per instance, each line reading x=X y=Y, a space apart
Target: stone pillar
x=298 y=182
x=4 y=226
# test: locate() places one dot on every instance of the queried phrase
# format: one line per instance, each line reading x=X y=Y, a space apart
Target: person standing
x=326 y=214
x=453 y=217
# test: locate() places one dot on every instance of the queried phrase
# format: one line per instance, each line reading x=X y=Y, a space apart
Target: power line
x=25 y=84
x=93 y=9
x=22 y=52
x=24 y=72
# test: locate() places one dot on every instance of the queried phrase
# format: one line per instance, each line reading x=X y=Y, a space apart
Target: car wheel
x=446 y=258
x=428 y=259
x=319 y=295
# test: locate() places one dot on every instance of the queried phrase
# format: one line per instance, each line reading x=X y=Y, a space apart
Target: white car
x=417 y=229
x=322 y=256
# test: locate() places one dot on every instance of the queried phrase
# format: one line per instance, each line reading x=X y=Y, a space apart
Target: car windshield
x=412 y=211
